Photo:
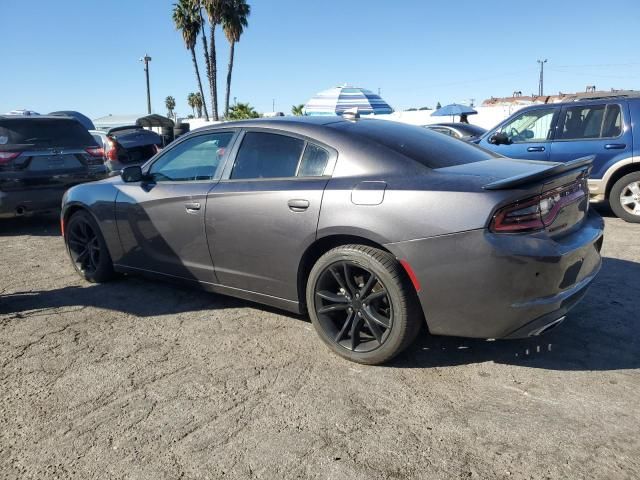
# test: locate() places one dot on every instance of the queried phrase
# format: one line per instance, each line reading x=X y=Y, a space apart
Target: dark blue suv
x=559 y=132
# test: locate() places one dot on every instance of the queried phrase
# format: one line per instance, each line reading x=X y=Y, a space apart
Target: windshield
x=431 y=149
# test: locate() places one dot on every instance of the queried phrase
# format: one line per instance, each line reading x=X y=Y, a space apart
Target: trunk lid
x=559 y=190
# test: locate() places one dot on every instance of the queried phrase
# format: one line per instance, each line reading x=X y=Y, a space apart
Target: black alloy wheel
x=362 y=304
x=87 y=248
x=353 y=306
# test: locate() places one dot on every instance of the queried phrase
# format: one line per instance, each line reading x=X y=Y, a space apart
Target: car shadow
x=41 y=225
x=600 y=333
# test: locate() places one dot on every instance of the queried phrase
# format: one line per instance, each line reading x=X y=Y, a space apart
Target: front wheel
x=624 y=198
x=362 y=305
x=87 y=248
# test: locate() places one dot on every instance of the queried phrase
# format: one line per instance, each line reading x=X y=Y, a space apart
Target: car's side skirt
x=284 y=304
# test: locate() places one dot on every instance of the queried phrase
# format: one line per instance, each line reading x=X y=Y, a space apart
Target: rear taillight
x=112 y=150
x=96 y=152
x=536 y=213
x=7 y=157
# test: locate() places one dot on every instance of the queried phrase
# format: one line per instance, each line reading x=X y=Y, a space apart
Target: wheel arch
x=318 y=248
x=618 y=174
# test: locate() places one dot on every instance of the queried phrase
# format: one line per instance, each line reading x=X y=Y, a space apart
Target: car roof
x=55 y=118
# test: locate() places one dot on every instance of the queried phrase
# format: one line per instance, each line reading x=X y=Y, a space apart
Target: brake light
x=97 y=152
x=112 y=150
x=6 y=157
x=536 y=213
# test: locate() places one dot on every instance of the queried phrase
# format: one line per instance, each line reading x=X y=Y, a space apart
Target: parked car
x=40 y=157
x=83 y=119
x=560 y=132
x=463 y=131
x=127 y=145
x=365 y=224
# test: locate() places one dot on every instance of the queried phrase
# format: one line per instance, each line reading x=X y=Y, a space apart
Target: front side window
x=267 y=155
x=530 y=126
x=591 y=121
x=197 y=158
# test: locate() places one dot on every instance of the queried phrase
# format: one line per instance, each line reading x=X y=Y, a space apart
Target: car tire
x=87 y=248
x=627 y=187
x=369 y=312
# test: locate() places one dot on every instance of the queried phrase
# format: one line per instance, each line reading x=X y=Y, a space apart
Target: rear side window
x=314 y=161
x=45 y=133
x=431 y=149
x=267 y=155
x=591 y=121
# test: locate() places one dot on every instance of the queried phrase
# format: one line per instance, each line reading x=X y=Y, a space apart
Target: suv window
x=267 y=155
x=45 y=133
x=197 y=158
x=591 y=121
x=530 y=126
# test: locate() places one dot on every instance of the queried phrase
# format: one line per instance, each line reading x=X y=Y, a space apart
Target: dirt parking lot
x=140 y=379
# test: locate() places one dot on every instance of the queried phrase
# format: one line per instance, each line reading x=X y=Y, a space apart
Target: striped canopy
x=336 y=100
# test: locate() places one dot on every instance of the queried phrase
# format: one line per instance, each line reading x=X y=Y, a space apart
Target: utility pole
x=273 y=105
x=146 y=59
x=541 y=83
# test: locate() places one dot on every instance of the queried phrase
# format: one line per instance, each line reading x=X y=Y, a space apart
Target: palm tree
x=297 y=110
x=214 y=9
x=198 y=101
x=187 y=19
x=170 y=103
x=234 y=21
x=191 y=101
x=241 y=111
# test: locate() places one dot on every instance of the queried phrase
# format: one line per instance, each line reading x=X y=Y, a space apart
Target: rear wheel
x=624 y=198
x=361 y=304
x=87 y=248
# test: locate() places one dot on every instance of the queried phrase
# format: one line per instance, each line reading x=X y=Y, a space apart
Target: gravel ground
x=140 y=379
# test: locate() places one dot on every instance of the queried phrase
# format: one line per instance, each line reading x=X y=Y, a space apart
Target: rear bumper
x=20 y=199
x=478 y=284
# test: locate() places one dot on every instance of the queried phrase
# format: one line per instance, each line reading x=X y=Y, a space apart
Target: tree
x=241 y=111
x=215 y=10
x=187 y=19
x=198 y=102
x=438 y=106
x=234 y=21
x=297 y=110
x=170 y=103
x=191 y=101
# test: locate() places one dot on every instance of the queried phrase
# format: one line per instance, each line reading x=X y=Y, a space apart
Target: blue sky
x=83 y=54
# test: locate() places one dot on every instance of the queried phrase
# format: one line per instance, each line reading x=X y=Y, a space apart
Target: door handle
x=615 y=146
x=298 y=204
x=192 y=206
x=535 y=149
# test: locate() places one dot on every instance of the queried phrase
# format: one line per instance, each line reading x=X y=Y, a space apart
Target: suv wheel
x=362 y=305
x=87 y=248
x=624 y=198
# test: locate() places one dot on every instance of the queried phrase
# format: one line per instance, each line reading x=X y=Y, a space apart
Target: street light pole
x=146 y=59
x=541 y=82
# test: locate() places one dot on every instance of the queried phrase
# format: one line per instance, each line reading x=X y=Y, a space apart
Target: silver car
x=374 y=228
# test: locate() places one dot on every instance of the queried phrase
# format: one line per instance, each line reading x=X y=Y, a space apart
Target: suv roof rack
x=578 y=97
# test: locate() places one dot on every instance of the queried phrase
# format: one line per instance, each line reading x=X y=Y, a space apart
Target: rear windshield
x=45 y=133
x=431 y=149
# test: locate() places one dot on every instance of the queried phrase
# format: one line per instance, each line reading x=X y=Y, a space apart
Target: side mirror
x=132 y=174
x=499 y=138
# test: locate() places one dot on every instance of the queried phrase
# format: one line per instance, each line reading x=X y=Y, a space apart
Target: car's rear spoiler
x=553 y=170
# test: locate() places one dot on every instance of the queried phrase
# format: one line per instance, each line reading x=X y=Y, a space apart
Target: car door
x=161 y=219
x=593 y=129
x=529 y=134
x=264 y=212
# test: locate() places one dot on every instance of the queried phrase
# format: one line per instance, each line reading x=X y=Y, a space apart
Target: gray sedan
x=374 y=228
